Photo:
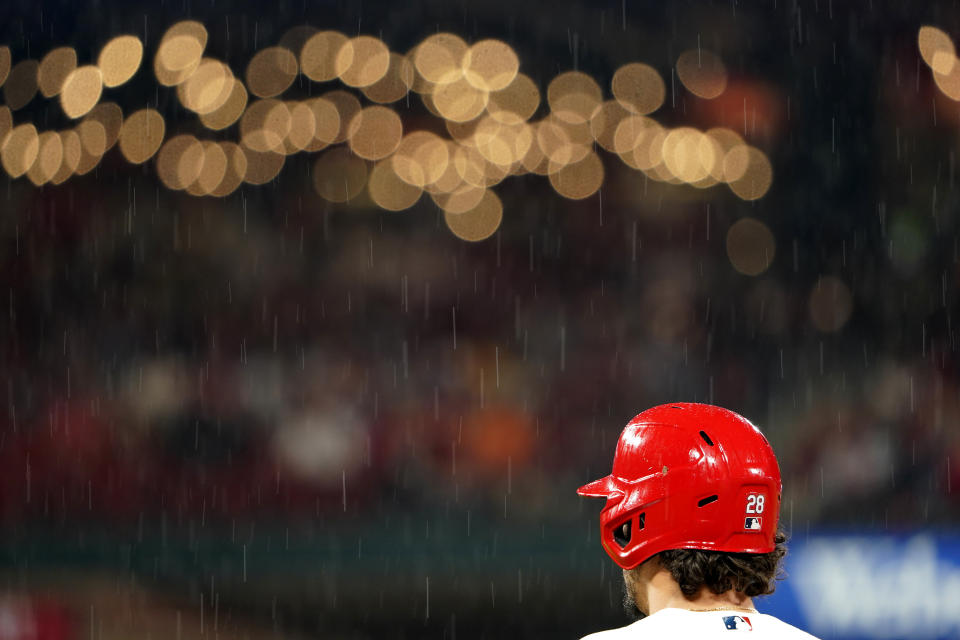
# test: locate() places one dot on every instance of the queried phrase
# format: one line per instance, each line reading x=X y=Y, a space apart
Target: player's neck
x=664 y=593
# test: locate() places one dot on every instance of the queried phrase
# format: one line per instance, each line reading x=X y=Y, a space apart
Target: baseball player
x=691 y=517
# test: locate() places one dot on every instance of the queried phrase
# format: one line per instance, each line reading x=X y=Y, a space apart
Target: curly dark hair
x=752 y=574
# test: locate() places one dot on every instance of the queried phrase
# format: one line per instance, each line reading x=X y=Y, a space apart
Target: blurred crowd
x=270 y=353
x=213 y=360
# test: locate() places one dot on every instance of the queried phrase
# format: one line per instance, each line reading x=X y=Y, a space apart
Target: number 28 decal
x=755 y=503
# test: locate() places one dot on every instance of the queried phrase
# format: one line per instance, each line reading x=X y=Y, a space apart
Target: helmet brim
x=602 y=488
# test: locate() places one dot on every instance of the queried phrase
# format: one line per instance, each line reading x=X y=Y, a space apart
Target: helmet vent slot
x=706 y=438
x=624 y=532
x=708 y=500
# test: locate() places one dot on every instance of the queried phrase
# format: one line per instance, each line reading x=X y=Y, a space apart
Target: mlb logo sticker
x=737 y=623
x=751 y=524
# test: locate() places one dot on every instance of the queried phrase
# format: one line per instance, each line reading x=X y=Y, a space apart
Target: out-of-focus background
x=314 y=314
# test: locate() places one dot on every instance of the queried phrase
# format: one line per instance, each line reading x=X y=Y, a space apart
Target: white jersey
x=681 y=624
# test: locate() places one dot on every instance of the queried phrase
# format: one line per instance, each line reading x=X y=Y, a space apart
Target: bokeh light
x=176 y=59
x=327 y=123
x=20 y=149
x=395 y=83
x=660 y=171
x=70 y=144
x=362 y=61
x=563 y=143
x=462 y=132
x=374 y=132
x=579 y=180
x=426 y=98
x=515 y=103
x=711 y=155
x=629 y=133
x=440 y=173
x=212 y=169
x=208 y=88
x=49 y=157
x=535 y=160
x=231 y=109
x=271 y=72
x=262 y=166
x=119 y=60
x=303 y=127
x=235 y=171
x=110 y=116
x=949 y=81
x=388 y=191
x=93 y=136
x=702 y=73
x=478 y=223
x=750 y=246
x=573 y=96
x=93 y=144
x=264 y=125
x=81 y=91
x=179 y=161
x=458 y=100
x=638 y=87
x=502 y=144
x=939 y=53
x=338 y=175
x=689 y=154
x=347 y=106
x=5 y=60
x=726 y=138
x=830 y=303
x=6 y=122
x=476 y=92
x=21 y=84
x=748 y=172
x=421 y=158
x=936 y=49
x=319 y=55
x=141 y=135
x=490 y=65
x=54 y=69
x=604 y=122
x=469 y=165
x=191 y=28
x=461 y=199
x=476 y=170
x=439 y=58
x=642 y=142
x=180 y=52
x=496 y=144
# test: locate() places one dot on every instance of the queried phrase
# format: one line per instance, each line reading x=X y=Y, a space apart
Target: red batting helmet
x=688 y=476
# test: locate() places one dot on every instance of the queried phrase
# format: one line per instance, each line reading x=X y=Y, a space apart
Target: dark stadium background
x=167 y=361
